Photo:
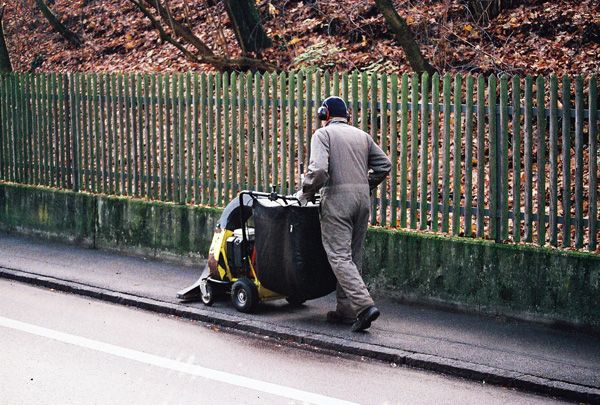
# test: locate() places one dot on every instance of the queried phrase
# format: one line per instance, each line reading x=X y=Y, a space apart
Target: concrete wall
x=517 y=280
x=153 y=229
x=476 y=275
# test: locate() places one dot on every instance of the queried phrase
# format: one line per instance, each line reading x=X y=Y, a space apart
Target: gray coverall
x=345 y=164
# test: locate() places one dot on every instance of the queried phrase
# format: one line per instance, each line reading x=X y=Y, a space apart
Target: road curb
x=439 y=364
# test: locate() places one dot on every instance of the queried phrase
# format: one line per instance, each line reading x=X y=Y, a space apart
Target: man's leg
x=337 y=237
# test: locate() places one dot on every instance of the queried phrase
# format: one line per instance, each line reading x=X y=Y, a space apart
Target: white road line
x=216 y=375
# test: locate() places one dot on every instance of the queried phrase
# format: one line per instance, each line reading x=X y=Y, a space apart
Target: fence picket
x=211 y=137
x=435 y=150
x=161 y=137
x=55 y=138
x=147 y=137
x=181 y=114
x=251 y=139
x=242 y=133
x=234 y=134
x=154 y=136
x=257 y=129
x=3 y=142
x=283 y=132
x=128 y=135
x=374 y=131
x=394 y=152
x=579 y=229
x=403 y=149
x=424 y=150
x=265 y=140
x=593 y=147
x=102 y=135
x=178 y=134
x=95 y=151
x=516 y=155
x=503 y=159
x=310 y=117
x=291 y=150
x=12 y=158
x=528 y=150
x=446 y=156
x=27 y=130
x=566 y=160
x=494 y=151
x=553 y=152
x=480 y=155
x=299 y=149
x=541 y=160
x=110 y=125
x=227 y=178
x=14 y=130
x=20 y=136
x=355 y=100
x=204 y=136
x=384 y=147
x=4 y=111
x=414 y=148
x=121 y=103
x=468 y=156
x=219 y=140
x=457 y=154
x=274 y=131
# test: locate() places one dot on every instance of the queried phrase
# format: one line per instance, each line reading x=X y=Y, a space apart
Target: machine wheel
x=209 y=298
x=244 y=295
x=295 y=301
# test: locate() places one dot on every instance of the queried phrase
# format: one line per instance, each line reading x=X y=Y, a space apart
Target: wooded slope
x=537 y=37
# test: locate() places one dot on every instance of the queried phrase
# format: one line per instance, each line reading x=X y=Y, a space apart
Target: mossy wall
x=486 y=276
x=61 y=215
x=480 y=275
x=153 y=229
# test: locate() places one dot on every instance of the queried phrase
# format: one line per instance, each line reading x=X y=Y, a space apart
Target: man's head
x=332 y=107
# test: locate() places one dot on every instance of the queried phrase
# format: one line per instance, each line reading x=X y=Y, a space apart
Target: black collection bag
x=290 y=259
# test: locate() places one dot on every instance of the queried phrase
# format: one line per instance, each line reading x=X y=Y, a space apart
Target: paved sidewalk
x=511 y=353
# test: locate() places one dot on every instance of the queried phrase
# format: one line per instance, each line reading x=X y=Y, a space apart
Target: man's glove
x=301 y=198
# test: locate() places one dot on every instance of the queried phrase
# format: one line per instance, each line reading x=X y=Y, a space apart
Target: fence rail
x=510 y=159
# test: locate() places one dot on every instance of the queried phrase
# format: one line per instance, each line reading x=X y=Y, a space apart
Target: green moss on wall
x=486 y=275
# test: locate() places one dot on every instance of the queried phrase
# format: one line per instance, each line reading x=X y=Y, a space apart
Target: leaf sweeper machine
x=265 y=247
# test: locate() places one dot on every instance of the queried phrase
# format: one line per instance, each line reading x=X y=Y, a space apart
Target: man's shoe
x=365 y=318
x=337 y=318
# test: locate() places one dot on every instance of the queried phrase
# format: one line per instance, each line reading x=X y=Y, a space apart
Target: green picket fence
x=508 y=159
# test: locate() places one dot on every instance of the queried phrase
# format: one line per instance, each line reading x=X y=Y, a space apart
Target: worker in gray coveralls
x=345 y=164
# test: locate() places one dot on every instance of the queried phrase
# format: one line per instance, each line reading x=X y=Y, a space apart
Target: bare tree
x=246 y=23
x=405 y=37
x=66 y=33
x=203 y=53
x=5 y=65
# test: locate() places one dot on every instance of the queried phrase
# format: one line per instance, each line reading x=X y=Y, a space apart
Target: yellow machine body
x=220 y=265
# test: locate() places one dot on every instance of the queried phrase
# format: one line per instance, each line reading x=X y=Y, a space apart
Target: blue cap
x=336 y=106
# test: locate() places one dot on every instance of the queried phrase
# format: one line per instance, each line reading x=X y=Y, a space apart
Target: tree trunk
x=246 y=23
x=181 y=30
x=5 y=65
x=405 y=37
x=219 y=62
x=66 y=33
x=485 y=10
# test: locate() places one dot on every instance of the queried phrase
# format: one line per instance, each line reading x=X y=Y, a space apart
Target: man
x=345 y=164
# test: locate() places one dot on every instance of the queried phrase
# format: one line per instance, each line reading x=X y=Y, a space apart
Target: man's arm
x=318 y=168
x=379 y=164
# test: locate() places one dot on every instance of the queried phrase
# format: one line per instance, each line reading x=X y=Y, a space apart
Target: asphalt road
x=60 y=348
